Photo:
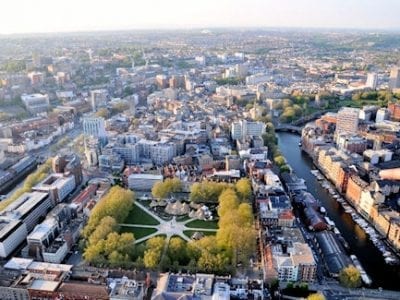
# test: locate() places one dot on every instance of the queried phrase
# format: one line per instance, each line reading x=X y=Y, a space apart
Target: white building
x=372 y=80
x=29 y=208
x=221 y=291
x=257 y=79
x=57 y=251
x=94 y=127
x=162 y=153
x=57 y=185
x=381 y=115
x=36 y=103
x=243 y=129
x=143 y=182
x=43 y=233
x=130 y=153
x=12 y=233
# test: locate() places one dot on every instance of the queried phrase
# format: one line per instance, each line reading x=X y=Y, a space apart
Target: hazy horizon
x=46 y=16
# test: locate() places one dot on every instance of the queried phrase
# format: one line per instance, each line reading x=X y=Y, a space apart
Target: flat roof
x=42 y=229
x=25 y=202
x=36 y=265
x=18 y=263
x=146 y=176
x=44 y=285
x=7 y=225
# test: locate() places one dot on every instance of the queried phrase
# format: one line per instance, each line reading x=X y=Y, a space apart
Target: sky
x=30 y=16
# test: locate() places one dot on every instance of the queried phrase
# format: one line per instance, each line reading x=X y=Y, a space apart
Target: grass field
x=138 y=216
x=137 y=231
x=203 y=224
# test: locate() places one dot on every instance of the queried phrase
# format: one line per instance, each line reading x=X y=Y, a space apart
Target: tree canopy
x=243 y=189
x=207 y=191
x=103 y=243
x=350 y=277
x=164 y=189
x=153 y=252
x=116 y=203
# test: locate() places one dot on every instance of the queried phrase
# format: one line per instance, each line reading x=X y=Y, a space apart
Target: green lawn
x=137 y=231
x=138 y=216
x=203 y=224
x=189 y=233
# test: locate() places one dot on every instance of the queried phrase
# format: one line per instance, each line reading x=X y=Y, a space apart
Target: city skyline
x=44 y=16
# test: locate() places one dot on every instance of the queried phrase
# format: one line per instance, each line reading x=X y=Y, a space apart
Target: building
x=29 y=208
x=394 y=80
x=162 y=81
x=36 y=103
x=124 y=289
x=294 y=262
x=57 y=186
x=381 y=115
x=243 y=129
x=332 y=252
x=394 y=111
x=42 y=236
x=162 y=153
x=372 y=80
x=12 y=233
x=69 y=165
x=98 y=98
x=94 y=127
x=351 y=143
x=143 y=182
x=36 y=78
x=355 y=186
x=347 y=120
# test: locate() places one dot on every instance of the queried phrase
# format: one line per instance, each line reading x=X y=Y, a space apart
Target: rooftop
x=44 y=285
x=24 y=203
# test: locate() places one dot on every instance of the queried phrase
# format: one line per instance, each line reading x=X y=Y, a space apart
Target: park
x=209 y=229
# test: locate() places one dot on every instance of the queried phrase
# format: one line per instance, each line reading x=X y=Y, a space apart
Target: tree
x=228 y=201
x=151 y=258
x=284 y=169
x=164 y=189
x=94 y=252
x=316 y=296
x=152 y=255
x=279 y=160
x=350 y=277
x=103 y=113
x=119 y=107
x=116 y=203
x=207 y=191
x=243 y=188
x=105 y=227
x=177 y=250
x=210 y=257
x=122 y=243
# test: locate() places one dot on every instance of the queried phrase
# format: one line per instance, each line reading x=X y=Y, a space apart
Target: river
x=383 y=275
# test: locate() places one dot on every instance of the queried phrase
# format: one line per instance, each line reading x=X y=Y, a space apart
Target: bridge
x=288 y=128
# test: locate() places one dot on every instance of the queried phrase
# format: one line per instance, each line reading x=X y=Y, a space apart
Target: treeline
x=164 y=189
x=33 y=179
x=271 y=141
x=210 y=191
x=102 y=242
